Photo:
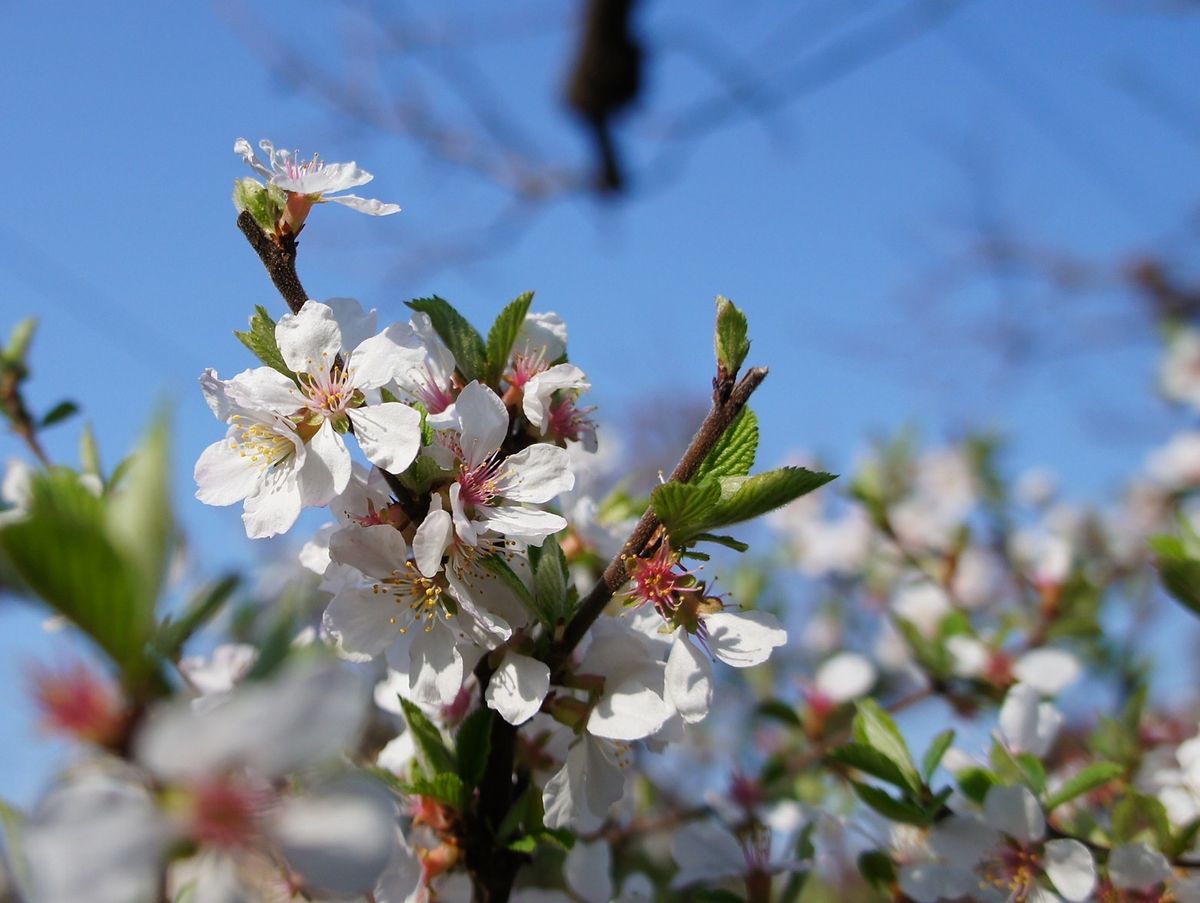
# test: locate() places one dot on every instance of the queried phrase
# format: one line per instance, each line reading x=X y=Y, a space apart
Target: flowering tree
x=498 y=674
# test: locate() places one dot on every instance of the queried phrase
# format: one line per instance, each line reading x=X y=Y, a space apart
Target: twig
x=279 y=257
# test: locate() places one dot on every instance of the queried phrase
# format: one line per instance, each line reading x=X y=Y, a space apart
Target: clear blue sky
x=116 y=229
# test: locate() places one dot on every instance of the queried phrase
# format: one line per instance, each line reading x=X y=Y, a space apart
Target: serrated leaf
x=1018 y=768
x=550 y=583
x=1090 y=778
x=875 y=728
x=59 y=413
x=685 y=508
x=889 y=807
x=933 y=755
x=173 y=634
x=503 y=334
x=445 y=787
x=734 y=453
x=730 y=338
x=765 y=492
x=63 y=552
x=472 y=746
x=260 y=339
x=428 y=739
x=421 y=474
x=874 y=762
x=470 y=353
x=275 y=649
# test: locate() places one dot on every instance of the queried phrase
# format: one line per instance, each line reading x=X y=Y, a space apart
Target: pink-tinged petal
x=529 y=525
x=274 y=508
x=369 y=206
x=588 y=871
x=705 y=851
x=435 y=666
x=518 y=687
x=433 y=538
x=304 y=179
x=223 y=476
x=689 y=679
x=378 y=550
x=1070 y=868
x=743 y=639
x=309 y=340
x=360 y=623
x=326 y=468
x=356 y=325
x=537 y=474
x=379 y=359
x=484 y=422
x=1015 y=811
x=338 y=836
x=628 y=711
x=389 y=434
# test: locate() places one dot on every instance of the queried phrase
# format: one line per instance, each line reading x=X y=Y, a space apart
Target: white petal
x=545 y=333
x=356 y=325
x=379 y=359
x=536 y=474
x=339 y=838
x=845 y=676
x=930 y=882
x=484 y=422
x=274 y=508
x=588 y=871
x=1015 y=811
x=1070 y=867
x=1136 y=866
x=745 y=638
x=705 y=851
x=242 y=148
x=360 y=623
x=1048 y=670
x=628 y=711
x=529 y=525
x=518 y=687
x=369 y=206
x=223 y=476
x=326 y=468
x=435 y=667
x=1026 y=723
x=541 y=388
x=309 y=340
x=484 y=628
x=389 y=434
x=432 y=539
x=585 y=788
x=689 y=679
x=99 y=839
x=378 y=550
x=401 y=880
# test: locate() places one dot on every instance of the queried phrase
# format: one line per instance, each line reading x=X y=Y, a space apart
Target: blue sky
x=826 y=223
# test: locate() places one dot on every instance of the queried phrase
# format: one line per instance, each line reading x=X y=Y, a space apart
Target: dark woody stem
x=279 y=257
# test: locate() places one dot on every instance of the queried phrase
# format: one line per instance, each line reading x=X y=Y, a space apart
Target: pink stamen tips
x=77 y=702
x=226 y=813
x=526 y=366
x=570 y=422
x=435 y=397
x=659 y=580
x=478 y=487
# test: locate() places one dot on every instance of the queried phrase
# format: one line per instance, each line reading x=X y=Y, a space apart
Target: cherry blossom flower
x=309 y=181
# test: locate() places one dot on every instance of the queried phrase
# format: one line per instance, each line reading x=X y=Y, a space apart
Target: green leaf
x=65 y=555
x=780 y=711
x=1135 y=816
x=472 y=745
x=59 y=413
x=550 y=583
x=935 y=752
x=19 y=341
x=260 y=339
x=727 y=541
x=526 y=844
x=1179 y=572
x=875 y=728
x=89 y=452
x=685 y=508
x=878 y=869
x=139 y=512
x=503 y=334
x=428 y=739
x=888 y=806
x=874 y=762
x=174 y=634
x=460 y=337
x=446 y=787
x=1095 y=775
x=13 y=821
x=274 y=650
x=734 y=453
x=730 y=337
x=1019 y=768
x=975 y=783
x=752 y=496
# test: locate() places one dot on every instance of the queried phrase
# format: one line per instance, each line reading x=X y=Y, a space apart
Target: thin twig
x=279 y=257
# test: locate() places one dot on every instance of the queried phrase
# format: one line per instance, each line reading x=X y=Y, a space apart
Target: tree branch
x=279 y=257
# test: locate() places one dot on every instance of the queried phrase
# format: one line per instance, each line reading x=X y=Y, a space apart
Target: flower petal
x=1070 y=867
x=743 y=639
x=433 y=538
x=588 y=871
x=378 y=550
x=309 y=340
x=536 y=474
x=529 y=525
x=326 y=468
x=223 y=476
x=689 y=679
x=1048 y=670
x=389 y=434
x=518 y=687
x=435 y=667
x=484 y=422
x=1015 y=811
x=369 y=206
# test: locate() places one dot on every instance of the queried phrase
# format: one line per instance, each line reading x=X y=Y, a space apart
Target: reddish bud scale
x=76 y=702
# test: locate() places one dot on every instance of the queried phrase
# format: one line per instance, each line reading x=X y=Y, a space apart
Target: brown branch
x=279 y=257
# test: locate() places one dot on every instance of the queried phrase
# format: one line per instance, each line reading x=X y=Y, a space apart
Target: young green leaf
x=935 y=752
x=888 y=806
x=470 y=354
x=734 y=453
x=730 y=339
x=1179 y=572
x=685 y=508
x=500 y=568
x=875 y=728
x=1090 y=778
x=550 y=583
x=428 y=739
x=260 y=339
x=139 y=513
x=503 y=334
x=472 y=745
x=874 y=762
x=173 y=634
x=59 y=413
x=750 y=497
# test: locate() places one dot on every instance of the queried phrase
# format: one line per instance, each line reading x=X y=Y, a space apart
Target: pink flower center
x=526 y=366
x=569 y=422
x=328 y=389
x=659 y=580
x=430 y=393
x=1013 y=868
x=76 y=702
x=226 y=813
x=479 y=486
